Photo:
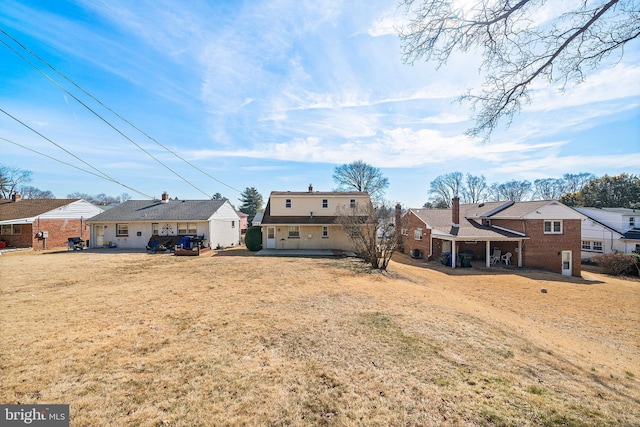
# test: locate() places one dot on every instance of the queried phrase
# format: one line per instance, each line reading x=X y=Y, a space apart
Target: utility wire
x=108 y=109
x=76 y=167
x=102 y=174
x=104 y=120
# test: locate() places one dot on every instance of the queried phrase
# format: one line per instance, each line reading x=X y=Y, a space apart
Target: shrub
x=615 y=264
x=253 y=239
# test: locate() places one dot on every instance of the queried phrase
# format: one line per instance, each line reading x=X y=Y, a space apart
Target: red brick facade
x=59 y=231
x=540 y=250
x=410 y=223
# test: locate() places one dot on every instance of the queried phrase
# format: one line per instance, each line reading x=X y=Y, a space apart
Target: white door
x=566 y=263
x=99 y=235
x=271 y=237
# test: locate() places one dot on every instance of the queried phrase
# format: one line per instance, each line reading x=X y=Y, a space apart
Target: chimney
x=310 y=188
x=165 y=197
x=455 y=211
x=16 y=197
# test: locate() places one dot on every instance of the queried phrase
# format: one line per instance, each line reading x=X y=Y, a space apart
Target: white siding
x=76 y=210
x=224 y=227
x=554 y=210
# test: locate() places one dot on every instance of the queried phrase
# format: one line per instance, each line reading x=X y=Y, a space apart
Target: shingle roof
x=156 y=210
x=29 y=208
x=440 y=221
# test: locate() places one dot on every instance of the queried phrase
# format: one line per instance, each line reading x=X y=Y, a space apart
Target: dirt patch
x=234 y=339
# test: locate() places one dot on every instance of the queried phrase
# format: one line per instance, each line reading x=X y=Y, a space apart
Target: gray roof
x=156 y=210
x=440 y=221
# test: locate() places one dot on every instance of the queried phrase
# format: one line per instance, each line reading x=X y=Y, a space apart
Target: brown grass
x=148 y=340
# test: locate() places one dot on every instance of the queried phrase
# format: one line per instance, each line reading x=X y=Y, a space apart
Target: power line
x=102 y=174
x=111 y=111
x=76 y=167
x=103 y=119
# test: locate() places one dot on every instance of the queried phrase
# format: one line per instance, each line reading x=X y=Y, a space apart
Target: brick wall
x=410 y=222
x=59 y=231
x=545 y=250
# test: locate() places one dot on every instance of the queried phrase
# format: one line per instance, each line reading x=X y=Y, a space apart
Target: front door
x=99 y=235
x=271 y=237
x=566 y=263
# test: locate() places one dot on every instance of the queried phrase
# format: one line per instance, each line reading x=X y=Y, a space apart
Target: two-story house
x=538 y=234
x=609 y=230
x=308 y=220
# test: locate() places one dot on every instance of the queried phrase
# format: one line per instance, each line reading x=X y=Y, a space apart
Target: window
x=417 y=234
x=294 y=232
x=233 y=224
x=352 y=203
x=632 y=222
x=553 y=227
x=325 y=203
x=287 y=203
x=405 y=232
x=122 y=230
x=325 y=232
x=592 y=246
x=155 y=229
x=187 y=228
x=9 y=229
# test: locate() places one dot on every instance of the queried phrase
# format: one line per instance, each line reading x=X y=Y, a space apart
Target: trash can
x=445 y=258
x=465 y=260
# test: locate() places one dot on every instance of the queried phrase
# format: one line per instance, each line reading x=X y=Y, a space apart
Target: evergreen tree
x=251 y=202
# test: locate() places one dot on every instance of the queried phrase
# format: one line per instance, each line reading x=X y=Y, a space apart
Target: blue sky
x=274 y=95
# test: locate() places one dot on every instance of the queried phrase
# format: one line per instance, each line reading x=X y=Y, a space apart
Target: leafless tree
x=513 y=190
x=447 y=186
x=548 y=188
x=372 y=230
x=475 y=188
x=29 y=192
x=360 y=176
x=520 y=45
x=11 y=178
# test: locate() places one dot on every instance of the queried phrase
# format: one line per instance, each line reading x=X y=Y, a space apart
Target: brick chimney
x=310 y=188
x=165 y=197
x=455 y=211
x=16 y=197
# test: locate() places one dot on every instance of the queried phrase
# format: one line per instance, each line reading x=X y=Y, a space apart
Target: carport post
x=488 y=254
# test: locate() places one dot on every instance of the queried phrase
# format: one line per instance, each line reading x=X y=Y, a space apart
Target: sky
x=274 y=94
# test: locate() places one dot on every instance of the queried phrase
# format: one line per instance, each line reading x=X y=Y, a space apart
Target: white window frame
x=122 y=230
x=552 y=226
x=187 y=228
x=352 y=203
x=325 y=232
x=632 y=221
x=288 y=203
x=155 y=229
x=294 y=232
x=417 y=234
x=325 y=203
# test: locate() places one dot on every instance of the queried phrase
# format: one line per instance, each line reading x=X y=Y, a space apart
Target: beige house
x=308 y=220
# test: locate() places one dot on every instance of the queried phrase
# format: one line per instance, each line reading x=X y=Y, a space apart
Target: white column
x=488 y=254
x=520 y=253
x=453 y=254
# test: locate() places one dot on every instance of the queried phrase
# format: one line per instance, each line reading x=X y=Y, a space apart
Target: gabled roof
x=29 y=208
x=320 y=193
x=268 y=219
x=156 y=210
x=520 y=209
x=439 y=220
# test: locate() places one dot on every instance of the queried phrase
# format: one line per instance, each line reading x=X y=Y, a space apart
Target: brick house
x=538 y=234
x=309 y=220
x=44 y=223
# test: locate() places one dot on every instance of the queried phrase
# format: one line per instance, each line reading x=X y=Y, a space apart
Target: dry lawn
x=134 y=339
